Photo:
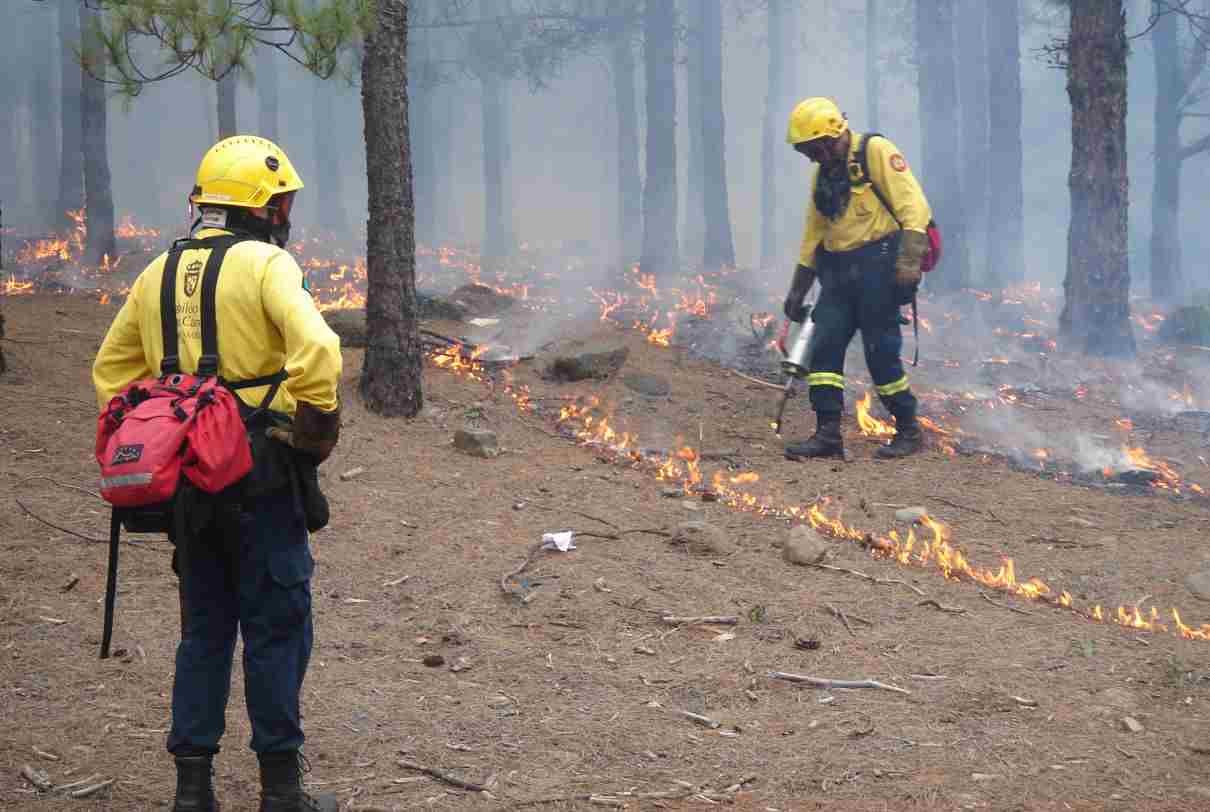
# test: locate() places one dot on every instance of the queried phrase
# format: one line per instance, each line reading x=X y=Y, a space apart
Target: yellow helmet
x=245 y=171
x=813 y=118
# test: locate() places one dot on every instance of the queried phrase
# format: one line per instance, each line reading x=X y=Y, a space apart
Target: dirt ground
x=576 y=691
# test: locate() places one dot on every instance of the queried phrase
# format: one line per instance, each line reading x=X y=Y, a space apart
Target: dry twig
x=870 y=578
x=985 y=597
x=60 y=484
x=955 y=610
x=841 y=615
x=757 y=380
x=716 y=620
x=822 y=682
x=92 y=788
x=444 y=777
x=38 y=778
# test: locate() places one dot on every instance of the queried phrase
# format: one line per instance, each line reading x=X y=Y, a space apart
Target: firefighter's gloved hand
x=913 y=245
x=793 y=307
x=313 y=432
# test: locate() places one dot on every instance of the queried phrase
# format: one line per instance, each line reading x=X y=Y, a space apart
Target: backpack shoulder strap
x=171 y=363
x=208 y=363
x=863 y=161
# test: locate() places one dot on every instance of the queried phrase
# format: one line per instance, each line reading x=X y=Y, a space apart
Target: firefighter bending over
x=867 y=257
x=244 y=562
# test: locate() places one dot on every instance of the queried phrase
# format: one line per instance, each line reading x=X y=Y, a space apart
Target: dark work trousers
x=250 y=572
x=858 y=293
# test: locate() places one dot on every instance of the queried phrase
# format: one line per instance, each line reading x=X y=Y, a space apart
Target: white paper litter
x=560 y=541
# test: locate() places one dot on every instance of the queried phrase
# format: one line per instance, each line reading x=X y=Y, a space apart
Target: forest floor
x=563 y=687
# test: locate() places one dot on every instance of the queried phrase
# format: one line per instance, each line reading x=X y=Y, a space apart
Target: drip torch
x=795 y=346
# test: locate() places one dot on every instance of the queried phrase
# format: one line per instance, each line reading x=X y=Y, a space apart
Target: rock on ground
x=477 y=443
x=654 y=386
x=1199 y=584
x=578 y=361
x=805 y=546
x=703 y=539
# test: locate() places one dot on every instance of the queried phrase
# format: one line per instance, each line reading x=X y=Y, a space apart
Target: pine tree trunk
x=720 y=247
x=424 y=181
x=498 y=241
x=1166 y=271
x=71 y=161
x=98 y=192
x=266 y=92
x=939 y=124
x=422 y=85
x=779 y=31
x=1005 y=158
x=226 y=92
x=630 y=185
x=1096 y=310
x=45 y=111
x=660 y=190
x=694 y=234
x=327 y=156
x=391 y=374
x=873 y=70
x=973 y=87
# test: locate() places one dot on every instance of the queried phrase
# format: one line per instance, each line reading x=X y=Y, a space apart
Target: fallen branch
x=758 y=380
x=839 y=614
x=960 y=506
x=956 y=610
x=33 y=515
x=444 y=777
x=60 y=484
x=704 y=721
x=821 y=682
x=540 y=506
x=130 y=542
x=983 y=595
x=38 y=778
x=94 y=788
x=870 y=578
x=75 y=784
x=717 y=620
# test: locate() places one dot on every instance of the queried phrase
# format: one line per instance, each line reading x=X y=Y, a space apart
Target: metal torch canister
x=795 y=346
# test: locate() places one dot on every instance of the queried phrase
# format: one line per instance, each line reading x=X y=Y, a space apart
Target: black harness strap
x=171 y=364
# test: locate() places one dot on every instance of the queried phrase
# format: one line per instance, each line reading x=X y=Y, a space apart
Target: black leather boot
x=826 y=442
x=907 y=441
x=194 y=790
x=281 y=786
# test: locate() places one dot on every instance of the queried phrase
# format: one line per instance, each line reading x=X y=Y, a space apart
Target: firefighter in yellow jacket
x=866 y=256
x=246 y=568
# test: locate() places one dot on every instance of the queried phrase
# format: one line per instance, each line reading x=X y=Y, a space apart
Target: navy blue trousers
x=249 y=573
x=858 y=293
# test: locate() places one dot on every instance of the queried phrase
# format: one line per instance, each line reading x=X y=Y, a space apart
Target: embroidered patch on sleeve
x=897 y=163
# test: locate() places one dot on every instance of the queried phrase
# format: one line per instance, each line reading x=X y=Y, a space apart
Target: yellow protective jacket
x=266 y=322
x=866 y=220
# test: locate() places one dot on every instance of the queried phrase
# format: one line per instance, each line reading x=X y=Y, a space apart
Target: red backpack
x=931 y=257
x=161 y=432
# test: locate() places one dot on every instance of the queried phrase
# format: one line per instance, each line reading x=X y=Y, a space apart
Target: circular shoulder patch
x=897 y=163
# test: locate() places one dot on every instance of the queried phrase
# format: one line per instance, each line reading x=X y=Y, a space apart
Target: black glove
x=793 y=307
